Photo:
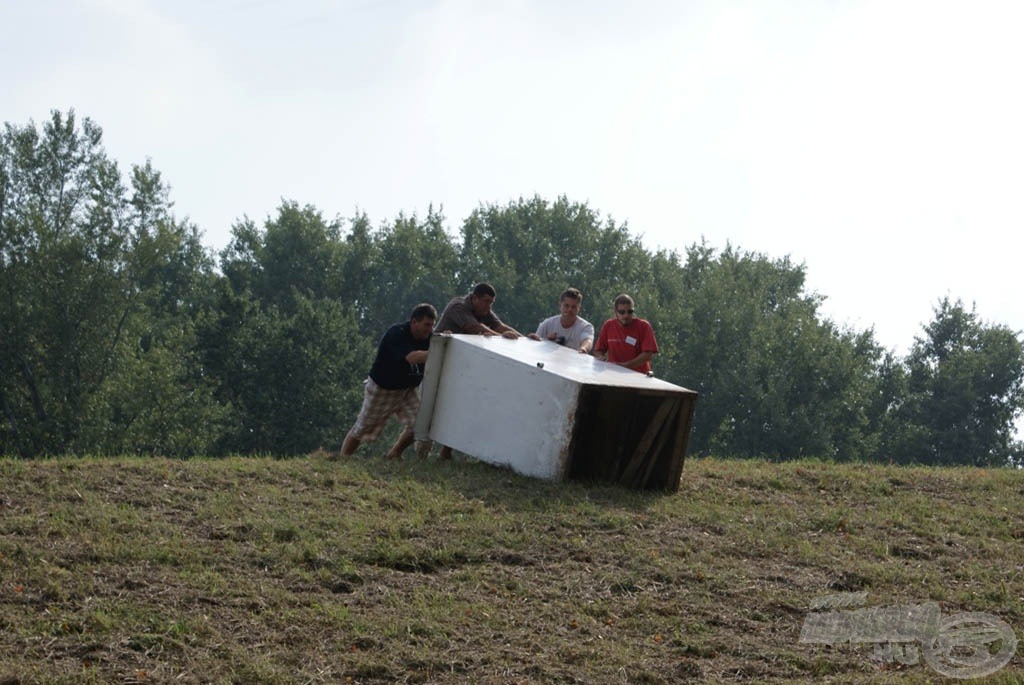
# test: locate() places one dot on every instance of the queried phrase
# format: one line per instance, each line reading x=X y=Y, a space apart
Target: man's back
x=458 y=316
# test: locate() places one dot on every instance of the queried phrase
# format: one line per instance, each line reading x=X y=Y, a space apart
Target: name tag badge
x=630 y=340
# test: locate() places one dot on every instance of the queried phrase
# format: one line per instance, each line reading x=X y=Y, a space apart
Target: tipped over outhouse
x=550 y=412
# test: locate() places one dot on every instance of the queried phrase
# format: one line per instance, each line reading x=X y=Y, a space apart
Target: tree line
x=120 y=333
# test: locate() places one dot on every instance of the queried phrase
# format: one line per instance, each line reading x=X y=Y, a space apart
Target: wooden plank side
x=683 y=428
x=654 y=453
x=642 y=448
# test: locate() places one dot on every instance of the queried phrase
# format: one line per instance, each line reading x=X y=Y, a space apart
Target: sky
x=879 y=143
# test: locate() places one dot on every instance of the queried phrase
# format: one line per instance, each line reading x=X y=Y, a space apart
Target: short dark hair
x=484 y=290
x=422 y=311
x=623 y=299
x=572 y=294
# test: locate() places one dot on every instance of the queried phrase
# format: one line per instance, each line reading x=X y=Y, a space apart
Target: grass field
x=306 y=570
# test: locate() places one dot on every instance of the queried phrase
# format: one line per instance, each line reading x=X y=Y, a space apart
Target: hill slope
x=362 y=571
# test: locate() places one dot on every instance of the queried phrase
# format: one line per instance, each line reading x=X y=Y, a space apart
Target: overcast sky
x=880 y=143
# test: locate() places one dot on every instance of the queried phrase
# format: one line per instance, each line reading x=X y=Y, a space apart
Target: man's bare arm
x=638 y=360
x=417 y=357
x=507 y=331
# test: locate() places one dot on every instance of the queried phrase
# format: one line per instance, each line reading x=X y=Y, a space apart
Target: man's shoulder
x=397 y=331
x=457 y=305
x=647 y=335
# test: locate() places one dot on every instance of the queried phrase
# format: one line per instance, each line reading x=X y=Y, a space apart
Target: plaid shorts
x=379 y=405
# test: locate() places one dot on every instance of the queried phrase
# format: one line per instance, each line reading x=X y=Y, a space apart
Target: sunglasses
x=623 y=312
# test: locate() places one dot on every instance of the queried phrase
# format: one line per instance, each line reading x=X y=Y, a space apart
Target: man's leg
x=351 y=444
x=372 y=417
x=404 y=440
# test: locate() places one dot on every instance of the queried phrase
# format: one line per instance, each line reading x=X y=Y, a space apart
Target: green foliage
x=532 y=250
x=963 y=387
x=98 y=290
x=295 y=250
x=117 y=334
x=775 y=380
x=292 y=377
x=404 y=263
x=285 y=351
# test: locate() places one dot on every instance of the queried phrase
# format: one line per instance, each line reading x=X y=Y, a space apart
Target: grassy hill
x=366 y=571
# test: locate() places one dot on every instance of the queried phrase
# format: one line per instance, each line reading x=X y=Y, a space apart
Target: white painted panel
x=567 y=363
x=500 y=409
x=430 y=385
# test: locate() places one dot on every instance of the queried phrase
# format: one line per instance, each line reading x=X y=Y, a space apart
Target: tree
x=118 y=336
x=292 y=377
x=964 y=390
x=285 y=346
x=79 y=254
x=407 y=261
x=531 y=250
x=160 y=399
x=774 y=379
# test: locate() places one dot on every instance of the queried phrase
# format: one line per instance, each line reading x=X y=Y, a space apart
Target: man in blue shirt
x=392 y=388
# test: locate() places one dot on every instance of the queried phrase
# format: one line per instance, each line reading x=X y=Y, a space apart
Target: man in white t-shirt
x=568 y=328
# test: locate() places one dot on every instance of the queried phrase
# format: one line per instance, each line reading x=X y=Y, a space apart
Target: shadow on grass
x=499 y=486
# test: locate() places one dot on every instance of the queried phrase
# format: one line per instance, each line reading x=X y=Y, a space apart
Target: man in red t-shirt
x=626 y=340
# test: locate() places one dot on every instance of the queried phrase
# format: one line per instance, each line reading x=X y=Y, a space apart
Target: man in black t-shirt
x=392 y=388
